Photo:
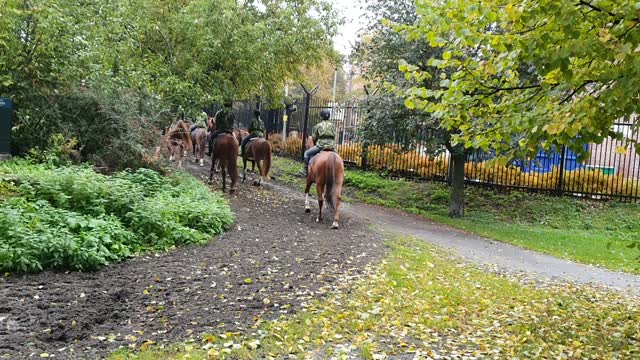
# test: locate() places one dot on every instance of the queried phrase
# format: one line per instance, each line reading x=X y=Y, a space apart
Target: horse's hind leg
x=257 y=183
x=233 y=173
x=213 y=166
x=244 y=170
x=223 y=170
x=320 y=188
x=336 y=217
x=307 y=205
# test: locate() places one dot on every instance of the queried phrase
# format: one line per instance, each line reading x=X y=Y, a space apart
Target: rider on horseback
x=256 y=130
x=224 y=124
x=324 y=135
x=201 y=121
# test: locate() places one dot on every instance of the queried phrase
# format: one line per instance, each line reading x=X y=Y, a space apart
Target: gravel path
x=171 y=297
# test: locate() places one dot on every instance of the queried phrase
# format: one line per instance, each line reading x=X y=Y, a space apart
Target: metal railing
x=607 y=173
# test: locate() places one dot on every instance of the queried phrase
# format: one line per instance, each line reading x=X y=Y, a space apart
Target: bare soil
x=273 y=260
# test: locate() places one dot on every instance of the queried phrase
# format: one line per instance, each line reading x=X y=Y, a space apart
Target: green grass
x=421 y=301
x=589 y=232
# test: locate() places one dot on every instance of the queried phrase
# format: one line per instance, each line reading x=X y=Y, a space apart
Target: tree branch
x=576 y=91
x=496 y=90
x=601 y=10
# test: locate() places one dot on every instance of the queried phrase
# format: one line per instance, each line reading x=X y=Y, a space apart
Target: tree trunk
x=456 y=209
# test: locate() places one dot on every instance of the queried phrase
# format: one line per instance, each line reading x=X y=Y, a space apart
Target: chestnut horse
x=240 y=134
x=199 y=138
x=179 y=141
x=327 y=171
x=257 y=150
x=225 y=150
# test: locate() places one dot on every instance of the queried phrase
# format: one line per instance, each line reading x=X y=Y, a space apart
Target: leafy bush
x=71 y=217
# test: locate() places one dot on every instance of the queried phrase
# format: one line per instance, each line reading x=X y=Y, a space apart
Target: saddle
x=321 y=151
x=252 y=140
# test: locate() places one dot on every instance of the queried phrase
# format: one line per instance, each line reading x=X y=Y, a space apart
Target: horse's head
x=211 y=123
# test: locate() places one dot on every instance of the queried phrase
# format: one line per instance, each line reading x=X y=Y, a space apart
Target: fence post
x=305 y=124
x=560 y=186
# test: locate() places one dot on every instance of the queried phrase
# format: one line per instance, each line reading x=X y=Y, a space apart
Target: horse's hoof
x=334 y=225
x=318 y=220
x=307 y=210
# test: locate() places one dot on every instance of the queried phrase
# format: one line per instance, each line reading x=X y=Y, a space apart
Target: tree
x=528 y=74
x=67 y=63
x=322 y=75
x=383 y=53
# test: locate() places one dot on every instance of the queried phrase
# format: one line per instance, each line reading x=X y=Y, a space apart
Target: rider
x=201 y=121
x=256 y=130
x=224 y=124
x=324 y=135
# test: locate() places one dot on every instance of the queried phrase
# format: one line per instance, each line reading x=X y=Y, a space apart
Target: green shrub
x=441 y=197
x=71 y=217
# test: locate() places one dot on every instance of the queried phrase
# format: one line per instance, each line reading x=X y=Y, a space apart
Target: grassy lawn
x=589 y=232
x=421 y=301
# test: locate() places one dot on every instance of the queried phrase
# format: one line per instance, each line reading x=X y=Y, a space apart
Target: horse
x=240 y=134
x=327 y=171
x=199 y=139
x=225 y=149
x=257 y=150
x=179 y=141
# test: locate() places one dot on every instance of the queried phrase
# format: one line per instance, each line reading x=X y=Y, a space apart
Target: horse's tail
x=330 y=193
x=232 y=162
x=266 y=164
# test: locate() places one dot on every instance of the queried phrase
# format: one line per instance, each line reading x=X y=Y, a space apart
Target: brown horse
x=327 y=171
x=225 y=149
x=240 y=134
x=179 y=141
x=199 y=139
x=257 y=150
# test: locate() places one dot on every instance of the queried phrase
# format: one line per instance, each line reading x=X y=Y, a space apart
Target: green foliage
x=517 y=74
x=380 y=52
x=111 y=73
x=71 y=217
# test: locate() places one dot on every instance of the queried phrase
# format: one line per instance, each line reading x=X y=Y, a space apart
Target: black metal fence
x=612 y=170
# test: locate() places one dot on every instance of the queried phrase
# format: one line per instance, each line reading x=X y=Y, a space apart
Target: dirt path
x=505 y=257
x=171 y=297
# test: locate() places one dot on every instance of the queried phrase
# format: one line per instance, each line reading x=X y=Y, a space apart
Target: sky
x=348 y=33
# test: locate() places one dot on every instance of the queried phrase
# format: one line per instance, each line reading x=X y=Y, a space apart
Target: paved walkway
x=483 y=251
